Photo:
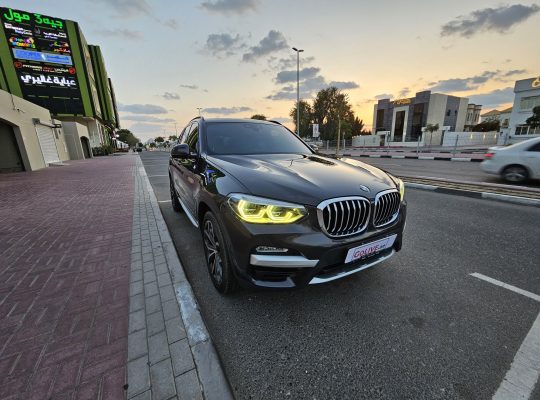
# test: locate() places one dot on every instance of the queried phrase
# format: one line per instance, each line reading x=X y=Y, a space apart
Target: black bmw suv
x=274 y=214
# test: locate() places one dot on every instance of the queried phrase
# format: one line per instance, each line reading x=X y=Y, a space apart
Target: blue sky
x=234 y=57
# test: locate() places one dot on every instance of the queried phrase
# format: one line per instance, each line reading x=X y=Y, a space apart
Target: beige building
x=29 y=138
x=473 y=116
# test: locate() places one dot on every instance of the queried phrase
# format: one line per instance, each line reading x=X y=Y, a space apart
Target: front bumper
x=490 y=167
x=312 y=258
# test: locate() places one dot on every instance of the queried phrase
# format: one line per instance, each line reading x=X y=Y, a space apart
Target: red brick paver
x=65 y=245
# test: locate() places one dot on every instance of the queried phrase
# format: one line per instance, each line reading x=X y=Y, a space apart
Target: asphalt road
x=416 y=327
x=453 y=170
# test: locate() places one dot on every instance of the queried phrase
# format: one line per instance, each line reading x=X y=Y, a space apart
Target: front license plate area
x=370 y=249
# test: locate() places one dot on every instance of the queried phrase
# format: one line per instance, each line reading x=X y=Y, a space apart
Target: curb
x=477 y=195
x=207 y=363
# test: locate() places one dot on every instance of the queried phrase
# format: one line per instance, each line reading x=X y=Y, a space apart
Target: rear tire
x=174 y=198
x=216 y=251
x=515 y=174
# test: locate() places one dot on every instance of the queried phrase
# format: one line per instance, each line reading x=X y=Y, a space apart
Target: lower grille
x=386 y=208
x=344 y=216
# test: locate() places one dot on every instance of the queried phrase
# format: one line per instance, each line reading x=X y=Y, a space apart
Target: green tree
x=126 y=136
x=534 y=120
x=357 y=127
x=152 y=145
x=173 y=138
x=432 y=128
x=332 y=111
x=306 y=118
x=487 y=126
x=160 y=139
x=259 y=116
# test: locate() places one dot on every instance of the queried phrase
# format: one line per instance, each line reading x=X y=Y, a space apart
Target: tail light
x=489 y=156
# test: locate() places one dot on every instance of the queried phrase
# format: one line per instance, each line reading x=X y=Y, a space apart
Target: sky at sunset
x=233 y=58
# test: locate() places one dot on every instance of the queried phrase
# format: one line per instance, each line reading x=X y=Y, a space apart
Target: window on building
x=522 y=130
x=448 y=113
x=528 y=103
x=380 y=119
x=455 y=112
x=417 y=121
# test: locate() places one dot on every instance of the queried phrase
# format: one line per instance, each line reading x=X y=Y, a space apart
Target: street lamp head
x=295 y=49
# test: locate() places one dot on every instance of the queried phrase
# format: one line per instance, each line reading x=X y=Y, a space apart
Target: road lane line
x=164 y=201
x=155 y=176
x=506 y=286
x=521 y=378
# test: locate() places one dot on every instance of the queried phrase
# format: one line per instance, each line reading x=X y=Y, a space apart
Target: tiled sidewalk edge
x=170 y=354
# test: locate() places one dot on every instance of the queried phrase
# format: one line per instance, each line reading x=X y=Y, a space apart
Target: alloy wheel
x=213 y=252
x=515 y=174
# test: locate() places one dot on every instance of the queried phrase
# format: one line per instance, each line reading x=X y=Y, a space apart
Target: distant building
x=473 y=116
x=527 y=96
x=404 y=119
x=46 y=61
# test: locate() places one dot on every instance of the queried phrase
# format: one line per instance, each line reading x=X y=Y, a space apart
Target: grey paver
x=170 y=310
x=150 y=289
x=153 y=304
x=136 y=302
x=155 y=323
x=143 y=396
x=188 y=386
x=135 y=288
x=136 y=321
x=164 y=279
x=137 y=345
x=149 y=276
x=182 y=361
x=167 y=293
x=163 y=384
x=159 y=349
x=138 y=376
x=175 y=330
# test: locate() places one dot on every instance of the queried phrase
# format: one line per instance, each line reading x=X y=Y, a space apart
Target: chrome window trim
x=325 y=203
x=377 y=196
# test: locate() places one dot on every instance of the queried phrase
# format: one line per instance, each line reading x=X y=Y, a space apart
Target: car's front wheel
x=217 y=255
x=515 y=173
x=174 y=197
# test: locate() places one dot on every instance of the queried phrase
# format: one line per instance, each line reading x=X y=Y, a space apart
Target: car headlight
x=258 y=210
x=401 y=188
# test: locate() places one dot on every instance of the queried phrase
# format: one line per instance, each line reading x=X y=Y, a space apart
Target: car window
x=252 y=138
x=183 y=135
x=193 y=139
x=534 y=147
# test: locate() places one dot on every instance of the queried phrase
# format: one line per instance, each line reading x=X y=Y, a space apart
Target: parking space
x=418 y=326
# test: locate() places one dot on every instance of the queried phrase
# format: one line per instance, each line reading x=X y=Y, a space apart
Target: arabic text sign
x=22 y=17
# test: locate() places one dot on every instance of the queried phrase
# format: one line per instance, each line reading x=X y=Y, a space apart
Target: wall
x=19 y=113
x=462 y=114
x=73 y=132
x=470 y=138
x=437 y=109
x=366 y=140
x=523 y=88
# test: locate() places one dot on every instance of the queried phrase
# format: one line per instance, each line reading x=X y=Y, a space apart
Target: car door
x=177 y=169
x=192 y=178
x=532 y=159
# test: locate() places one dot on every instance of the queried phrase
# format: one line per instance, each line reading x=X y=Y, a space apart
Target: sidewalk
x=89 y=289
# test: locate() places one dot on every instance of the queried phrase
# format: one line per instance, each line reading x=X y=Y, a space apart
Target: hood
x=303 y=179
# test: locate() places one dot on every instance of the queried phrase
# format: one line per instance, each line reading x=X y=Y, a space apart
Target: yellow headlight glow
x=257 y=210
x=401 y=189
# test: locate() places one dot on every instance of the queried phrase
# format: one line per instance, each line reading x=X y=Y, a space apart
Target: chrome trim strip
x=316 y=280
x=332 y=203
x=385 y=208
x=281 y=261
x=188 y=214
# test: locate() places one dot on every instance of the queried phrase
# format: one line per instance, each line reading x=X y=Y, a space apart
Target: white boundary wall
x=469 y=138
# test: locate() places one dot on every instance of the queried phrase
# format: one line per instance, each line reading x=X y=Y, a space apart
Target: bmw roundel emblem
x=364 y=188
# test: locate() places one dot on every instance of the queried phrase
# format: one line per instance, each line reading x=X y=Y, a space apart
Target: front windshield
x=252 y=138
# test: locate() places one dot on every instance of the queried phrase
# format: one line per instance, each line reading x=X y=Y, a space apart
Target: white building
x=527 y=96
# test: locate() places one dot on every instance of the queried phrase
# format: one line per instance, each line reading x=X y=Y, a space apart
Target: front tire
x=515 y=174
x=217 y=256
x=174 y=197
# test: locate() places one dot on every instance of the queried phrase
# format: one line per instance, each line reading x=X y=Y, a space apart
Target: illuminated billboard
x=42 y=57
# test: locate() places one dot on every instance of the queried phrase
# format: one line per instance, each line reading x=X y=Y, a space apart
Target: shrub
x=102 y=150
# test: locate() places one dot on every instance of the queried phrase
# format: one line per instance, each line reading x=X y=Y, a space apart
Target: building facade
x=405 y=119
x=527 y=96
x=46 y=61
x=473 y=116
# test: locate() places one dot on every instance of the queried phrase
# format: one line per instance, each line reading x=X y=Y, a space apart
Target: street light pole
x=298 y=51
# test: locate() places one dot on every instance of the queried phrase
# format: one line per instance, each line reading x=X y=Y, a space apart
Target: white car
x=516 y=163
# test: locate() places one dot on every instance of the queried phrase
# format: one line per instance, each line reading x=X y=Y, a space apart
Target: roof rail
x=275 y=122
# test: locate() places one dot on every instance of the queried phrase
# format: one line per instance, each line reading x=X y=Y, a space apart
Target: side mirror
x=180 y=151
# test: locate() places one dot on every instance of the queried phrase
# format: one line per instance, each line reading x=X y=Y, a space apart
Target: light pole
x=298 y=51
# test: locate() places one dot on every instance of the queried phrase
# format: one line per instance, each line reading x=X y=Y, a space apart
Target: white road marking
x=521 y=378
x=164 y=201
x=506 y=286
x=460 y=159
x=155 y=176
x=511 y=199
x=420 y=186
